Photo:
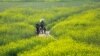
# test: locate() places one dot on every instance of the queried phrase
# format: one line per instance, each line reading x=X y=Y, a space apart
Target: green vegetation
x=45 y=0
x=85 y=29
x=74 y=28
x=64 y=47
x=19 y=46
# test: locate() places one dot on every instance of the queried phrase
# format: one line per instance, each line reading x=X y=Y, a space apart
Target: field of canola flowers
x=74 y=29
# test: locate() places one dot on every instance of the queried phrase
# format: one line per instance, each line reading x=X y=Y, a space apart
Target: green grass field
x=74 y=28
